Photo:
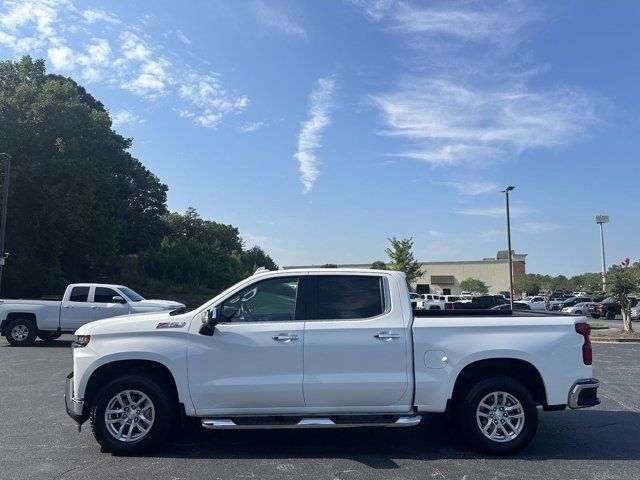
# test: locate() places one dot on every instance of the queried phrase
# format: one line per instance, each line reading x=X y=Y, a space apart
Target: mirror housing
x=118 y=299
x=210 y=318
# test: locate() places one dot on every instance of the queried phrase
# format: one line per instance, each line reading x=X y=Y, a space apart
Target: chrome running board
x=309 y=422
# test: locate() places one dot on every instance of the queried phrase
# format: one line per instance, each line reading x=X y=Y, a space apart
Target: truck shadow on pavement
x=579 y=435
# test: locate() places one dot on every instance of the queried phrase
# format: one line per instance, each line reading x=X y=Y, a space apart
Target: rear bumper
x=584 y=393
x=74 y=406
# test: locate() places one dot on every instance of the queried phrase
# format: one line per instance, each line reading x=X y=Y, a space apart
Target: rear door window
x=341 y=297
x=79 y=294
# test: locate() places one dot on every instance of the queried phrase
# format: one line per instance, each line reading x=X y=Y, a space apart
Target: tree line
x=82 y=208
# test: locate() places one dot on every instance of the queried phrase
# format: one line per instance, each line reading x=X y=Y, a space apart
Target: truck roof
x=90 y=284
x=343 y=270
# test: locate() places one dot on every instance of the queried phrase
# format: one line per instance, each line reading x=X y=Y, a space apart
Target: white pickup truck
x=313 y=348
x=21 y=321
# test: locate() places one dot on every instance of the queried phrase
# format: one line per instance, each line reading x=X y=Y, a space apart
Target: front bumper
x=584 y=393
x=74 y=406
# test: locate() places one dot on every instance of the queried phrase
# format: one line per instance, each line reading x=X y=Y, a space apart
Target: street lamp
x=601 y=220
x=506 y=193
x=5 y=198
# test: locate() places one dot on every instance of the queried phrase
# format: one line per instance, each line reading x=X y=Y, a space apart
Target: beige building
x=445 y=277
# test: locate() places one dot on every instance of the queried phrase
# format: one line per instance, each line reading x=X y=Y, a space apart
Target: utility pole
x=5 y=198
x=509 y=252
x=601 y=220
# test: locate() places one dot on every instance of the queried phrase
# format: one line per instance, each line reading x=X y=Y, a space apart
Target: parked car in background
x=21 y=321
x=581 y=308
x=449 y=298
x=479 y=302
x=535 y=303
x=571 y=301
x=516 y=306
x=430 y=301
x=414 y=297
x=608 y=308
x=635 y=312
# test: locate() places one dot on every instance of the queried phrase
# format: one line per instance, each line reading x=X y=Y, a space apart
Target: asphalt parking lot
x=39 y=441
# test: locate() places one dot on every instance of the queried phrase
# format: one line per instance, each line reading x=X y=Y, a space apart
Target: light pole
x=5 y=198
x=601 y=220
x=506 y=193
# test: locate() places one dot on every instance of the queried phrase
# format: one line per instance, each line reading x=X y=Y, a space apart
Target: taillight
x=584 y=329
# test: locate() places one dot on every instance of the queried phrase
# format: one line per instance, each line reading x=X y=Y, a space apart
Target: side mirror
x=118 y=299
x=210 y=319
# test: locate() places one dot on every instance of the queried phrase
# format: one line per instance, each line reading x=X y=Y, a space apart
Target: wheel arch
x=11 y=316
x=520 y=370
x=105 y=372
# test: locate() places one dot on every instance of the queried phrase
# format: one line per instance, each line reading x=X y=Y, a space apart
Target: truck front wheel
x=498 y=415
x=131 y=414
x=21 y=332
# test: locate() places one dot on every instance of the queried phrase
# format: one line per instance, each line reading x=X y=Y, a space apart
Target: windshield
x=131 y=295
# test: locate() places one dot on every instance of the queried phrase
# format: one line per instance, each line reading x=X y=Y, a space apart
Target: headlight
x=82 y=340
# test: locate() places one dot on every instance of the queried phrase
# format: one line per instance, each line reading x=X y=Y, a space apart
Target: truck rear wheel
x=21 y=332
x=497 y=415
x=131 y=414
x=611 y=315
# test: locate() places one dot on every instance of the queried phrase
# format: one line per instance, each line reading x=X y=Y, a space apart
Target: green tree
x=402 y=258
x=379 y=265
x=255 y=258
x=329 y=265
x=78 y=200
x=474 y=285
x=530 y=284
x=622 y=281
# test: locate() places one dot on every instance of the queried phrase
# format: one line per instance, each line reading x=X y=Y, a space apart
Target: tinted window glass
x=79 y=294
x=104 y=295
x=269 y=300
x=349 y=297
x=133 y=296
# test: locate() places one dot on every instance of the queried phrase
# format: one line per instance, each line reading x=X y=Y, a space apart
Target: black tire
x=468 y=422
x=48 y=335
x=21 y=332
x=611 y=315
x=164 y=405
x=595 y=315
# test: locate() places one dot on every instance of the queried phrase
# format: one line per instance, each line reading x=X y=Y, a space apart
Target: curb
x=616 y=340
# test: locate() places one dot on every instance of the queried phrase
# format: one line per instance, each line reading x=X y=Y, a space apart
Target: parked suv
x=609 y=308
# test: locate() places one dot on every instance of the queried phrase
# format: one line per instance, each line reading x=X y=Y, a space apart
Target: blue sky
x=320 y=129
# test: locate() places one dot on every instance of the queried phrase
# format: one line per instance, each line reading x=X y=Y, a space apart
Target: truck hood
x=164 y=304
x=141 y=322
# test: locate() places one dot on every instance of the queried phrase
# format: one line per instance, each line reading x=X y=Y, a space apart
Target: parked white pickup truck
x=318 y=348
x=21 y=321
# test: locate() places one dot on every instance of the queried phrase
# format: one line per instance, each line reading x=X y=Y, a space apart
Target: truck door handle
x=388 y=336
x=285 y=337
x=66 y=306
x=95 y=307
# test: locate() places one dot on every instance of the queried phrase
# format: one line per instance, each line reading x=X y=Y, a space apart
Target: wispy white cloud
x=310 y=137
x=276 y=17
x=474 y=187
x=450 y=124
x=252 y=239
x=179 y=34
x=208 y=101
x=126 y=117
x=94 y=16
x=498 y=211
x=251 y=126
x=535 y=227
x=131 y=60
x=467 y=97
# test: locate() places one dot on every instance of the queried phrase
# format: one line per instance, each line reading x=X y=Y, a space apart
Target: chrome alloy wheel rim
x=19 y=333
x=129 y=416
x=500 y=417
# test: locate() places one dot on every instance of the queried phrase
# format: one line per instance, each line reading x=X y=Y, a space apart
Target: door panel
x=355 y=362
x=103 y=305
x=75 y=311
x=254 y=359
x=241 y=366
